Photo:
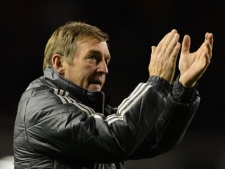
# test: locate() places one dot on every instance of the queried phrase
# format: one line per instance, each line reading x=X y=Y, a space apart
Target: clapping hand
x=193 y=65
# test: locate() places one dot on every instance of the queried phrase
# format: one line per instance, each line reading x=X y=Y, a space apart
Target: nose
x=103 y=67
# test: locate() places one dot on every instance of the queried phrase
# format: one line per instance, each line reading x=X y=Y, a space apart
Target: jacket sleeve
x=172 y=124
x=74 y=131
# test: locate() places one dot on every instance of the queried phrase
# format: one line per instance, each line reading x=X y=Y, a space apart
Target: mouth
x=96 y=82
x=95 y=85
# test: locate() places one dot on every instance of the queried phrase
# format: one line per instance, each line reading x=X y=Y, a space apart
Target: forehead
x=90 y=44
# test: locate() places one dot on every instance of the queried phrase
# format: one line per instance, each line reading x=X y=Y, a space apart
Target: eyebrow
x=99 y=53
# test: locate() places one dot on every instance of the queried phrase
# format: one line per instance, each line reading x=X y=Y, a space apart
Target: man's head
x=79 y=52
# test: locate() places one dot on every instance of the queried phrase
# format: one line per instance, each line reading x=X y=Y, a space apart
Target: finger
x=186 y=43
x=152 y=56
x=207 y=46
x=208 y=49
x=205 y=59
x=172 y=44
x=164 y=42
x=160 y=44
x=175 y=52
x=169 y=39
x=153 y=49
x=209 y=38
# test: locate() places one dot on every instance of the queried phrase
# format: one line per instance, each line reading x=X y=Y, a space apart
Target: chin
x=94 y=89
x=97 y=90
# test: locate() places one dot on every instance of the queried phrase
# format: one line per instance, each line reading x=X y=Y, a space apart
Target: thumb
x=186 y=44
x=153 y=49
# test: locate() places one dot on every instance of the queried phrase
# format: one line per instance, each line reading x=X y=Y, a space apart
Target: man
x=63 y=119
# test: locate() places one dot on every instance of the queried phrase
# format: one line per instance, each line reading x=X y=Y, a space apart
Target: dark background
x=133 y=26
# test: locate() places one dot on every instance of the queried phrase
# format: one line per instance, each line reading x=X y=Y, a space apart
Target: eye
x=92 y=57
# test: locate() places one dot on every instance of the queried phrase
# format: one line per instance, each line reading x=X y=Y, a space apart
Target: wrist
x=187 y=84
x=182 y=93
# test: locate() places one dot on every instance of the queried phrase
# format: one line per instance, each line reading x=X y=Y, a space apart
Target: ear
x=57 y=63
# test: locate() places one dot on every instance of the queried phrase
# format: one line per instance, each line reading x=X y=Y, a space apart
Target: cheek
x=80 y=75
x=71 y=74
x=87 y=70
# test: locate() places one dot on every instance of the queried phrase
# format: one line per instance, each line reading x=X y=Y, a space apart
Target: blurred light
x=7 y=162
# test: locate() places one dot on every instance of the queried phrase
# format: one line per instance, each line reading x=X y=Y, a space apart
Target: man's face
x=89 y=66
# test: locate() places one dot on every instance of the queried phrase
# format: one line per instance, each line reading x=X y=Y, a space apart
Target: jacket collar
x=95 y=100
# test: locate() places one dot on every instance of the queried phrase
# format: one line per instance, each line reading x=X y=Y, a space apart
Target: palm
x=193 y=65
